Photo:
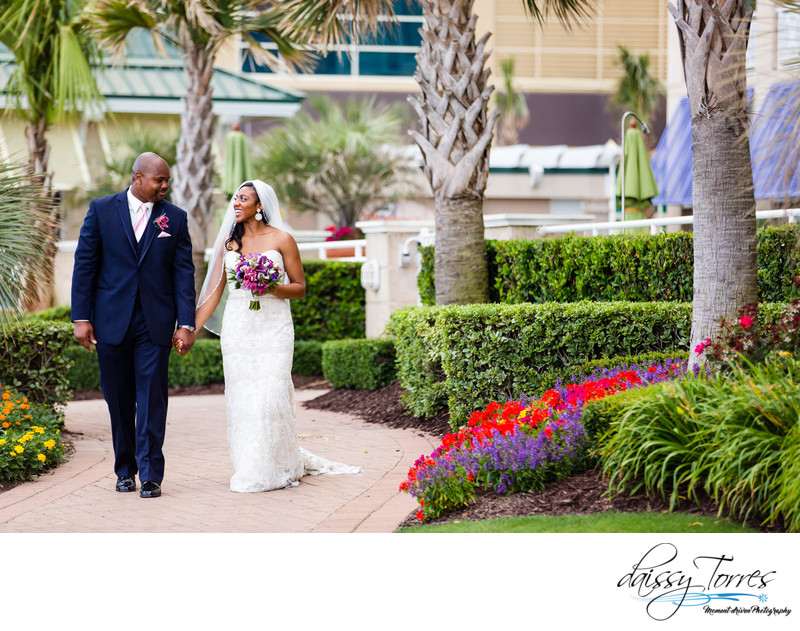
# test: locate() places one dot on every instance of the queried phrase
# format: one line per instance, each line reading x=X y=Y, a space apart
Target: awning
x=774 y=150
x=672 y=160
x=775 y=143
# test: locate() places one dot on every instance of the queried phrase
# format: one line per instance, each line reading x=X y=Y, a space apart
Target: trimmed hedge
x=307 y=358
x=33 y=360
x=639 y=268
x=334 y=306
x=359 y=364
x=478 y=353
x=201 y=366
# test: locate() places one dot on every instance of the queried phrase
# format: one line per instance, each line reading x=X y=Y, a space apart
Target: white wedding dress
x=257 y=348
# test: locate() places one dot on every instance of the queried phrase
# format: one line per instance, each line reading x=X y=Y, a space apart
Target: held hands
x=183 y=340
x=84 y=333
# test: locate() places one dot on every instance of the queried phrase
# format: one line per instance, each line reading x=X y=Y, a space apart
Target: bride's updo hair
x=238 y=228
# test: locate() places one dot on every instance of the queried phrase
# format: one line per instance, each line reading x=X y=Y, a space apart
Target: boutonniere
x=162 y=222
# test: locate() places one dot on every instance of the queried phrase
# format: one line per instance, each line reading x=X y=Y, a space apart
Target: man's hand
x=183 y=340
x=84 y=333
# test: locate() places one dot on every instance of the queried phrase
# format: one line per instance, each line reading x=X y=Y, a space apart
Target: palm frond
x=566 y=11
x=26 y=222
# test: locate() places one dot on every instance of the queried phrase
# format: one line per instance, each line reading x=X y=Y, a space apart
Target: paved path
x=79 y=496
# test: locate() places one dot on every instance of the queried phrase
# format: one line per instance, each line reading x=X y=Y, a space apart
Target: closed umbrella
x=640 y=183
x=237 y=161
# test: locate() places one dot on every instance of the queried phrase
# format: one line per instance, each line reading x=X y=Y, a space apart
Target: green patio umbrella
x=640 y=183
x=237 y=161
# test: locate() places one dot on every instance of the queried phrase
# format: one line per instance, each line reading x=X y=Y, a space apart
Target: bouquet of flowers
x=256 y=273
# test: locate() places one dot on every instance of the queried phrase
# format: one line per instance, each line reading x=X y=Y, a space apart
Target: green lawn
x=599 y=522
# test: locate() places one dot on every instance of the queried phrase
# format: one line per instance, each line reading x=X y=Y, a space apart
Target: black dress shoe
x=126 y=484
x=150 y=489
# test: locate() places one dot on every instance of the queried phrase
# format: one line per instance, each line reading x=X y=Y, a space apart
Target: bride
x=257 y=346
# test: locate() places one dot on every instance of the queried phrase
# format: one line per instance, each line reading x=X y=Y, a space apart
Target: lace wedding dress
x=257 y=348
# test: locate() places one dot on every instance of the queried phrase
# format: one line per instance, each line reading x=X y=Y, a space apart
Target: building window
x=391 y=51
x=788 y=38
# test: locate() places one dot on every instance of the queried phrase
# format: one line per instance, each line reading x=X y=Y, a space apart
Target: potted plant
x=342 y=233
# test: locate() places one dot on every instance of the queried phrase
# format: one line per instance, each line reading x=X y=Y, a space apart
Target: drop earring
x=259 y=216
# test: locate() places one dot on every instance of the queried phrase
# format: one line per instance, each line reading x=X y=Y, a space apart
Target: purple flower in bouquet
x=257 y=274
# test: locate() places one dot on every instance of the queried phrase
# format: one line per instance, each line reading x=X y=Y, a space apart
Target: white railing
x=322 y=247
x=655 y=223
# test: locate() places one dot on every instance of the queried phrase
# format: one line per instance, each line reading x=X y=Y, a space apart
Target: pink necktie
x=139 y=228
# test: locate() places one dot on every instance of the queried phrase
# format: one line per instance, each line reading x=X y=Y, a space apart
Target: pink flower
x=162 y=222
x=746 y=321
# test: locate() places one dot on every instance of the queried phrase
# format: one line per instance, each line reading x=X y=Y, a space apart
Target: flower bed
x=30 y=438
x=520 y=445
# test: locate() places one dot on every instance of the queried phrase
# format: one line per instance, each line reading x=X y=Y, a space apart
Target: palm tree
x=52 y=81
x=200 y=29
x=24 y=238
x=713 y=39
x=514 y=114
x=637 y=89
x=338 y=160
x=456 y=135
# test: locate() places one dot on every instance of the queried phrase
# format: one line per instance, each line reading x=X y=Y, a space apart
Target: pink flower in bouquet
x=257 y=274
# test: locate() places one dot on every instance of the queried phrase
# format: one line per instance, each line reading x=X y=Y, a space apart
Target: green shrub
x=735 y=437
x=479 y=353
x=202 y=365
x=334 y=305
x=307 y=359
x=84 y=373
x=32 y=360
x=59 y=314
x=359 y=364
x=418 y=362
x=640 y=268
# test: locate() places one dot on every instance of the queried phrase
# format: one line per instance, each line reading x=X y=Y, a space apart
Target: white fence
x=322 y=247
x=654 y=224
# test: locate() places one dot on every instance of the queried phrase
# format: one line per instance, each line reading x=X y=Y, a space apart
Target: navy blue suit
x=134 y=295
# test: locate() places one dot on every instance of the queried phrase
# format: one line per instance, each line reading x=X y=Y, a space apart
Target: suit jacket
x=110 y=268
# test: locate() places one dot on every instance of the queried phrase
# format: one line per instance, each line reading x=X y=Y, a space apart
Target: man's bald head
x=150 y=179
x=147 y=162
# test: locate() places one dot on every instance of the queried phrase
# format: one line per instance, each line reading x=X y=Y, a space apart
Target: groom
x=133 y=282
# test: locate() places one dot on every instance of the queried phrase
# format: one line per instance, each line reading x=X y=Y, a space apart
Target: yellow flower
x=13 y=453
x=2 y=441
x=38 y=430
x=42 y=457
x=50 y=443
x=19 y=449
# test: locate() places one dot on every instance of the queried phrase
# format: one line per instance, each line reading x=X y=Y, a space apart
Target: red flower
x=652 y=369
x=548 y=432
x=746 y=321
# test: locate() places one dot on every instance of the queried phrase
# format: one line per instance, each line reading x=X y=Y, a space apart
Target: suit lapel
x=125 y=217
x=149 y=231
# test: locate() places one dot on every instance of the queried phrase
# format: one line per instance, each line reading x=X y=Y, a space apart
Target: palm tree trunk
x=724 y=225
x=713 y=38
x=464 y=272
x=193 y=187
x=455 y=139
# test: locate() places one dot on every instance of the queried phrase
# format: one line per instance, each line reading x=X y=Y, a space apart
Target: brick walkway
x=79 y=496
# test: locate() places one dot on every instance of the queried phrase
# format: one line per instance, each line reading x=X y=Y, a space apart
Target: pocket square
x=164 y=234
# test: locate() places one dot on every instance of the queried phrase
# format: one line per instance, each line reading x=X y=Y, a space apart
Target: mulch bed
x=579 y=494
